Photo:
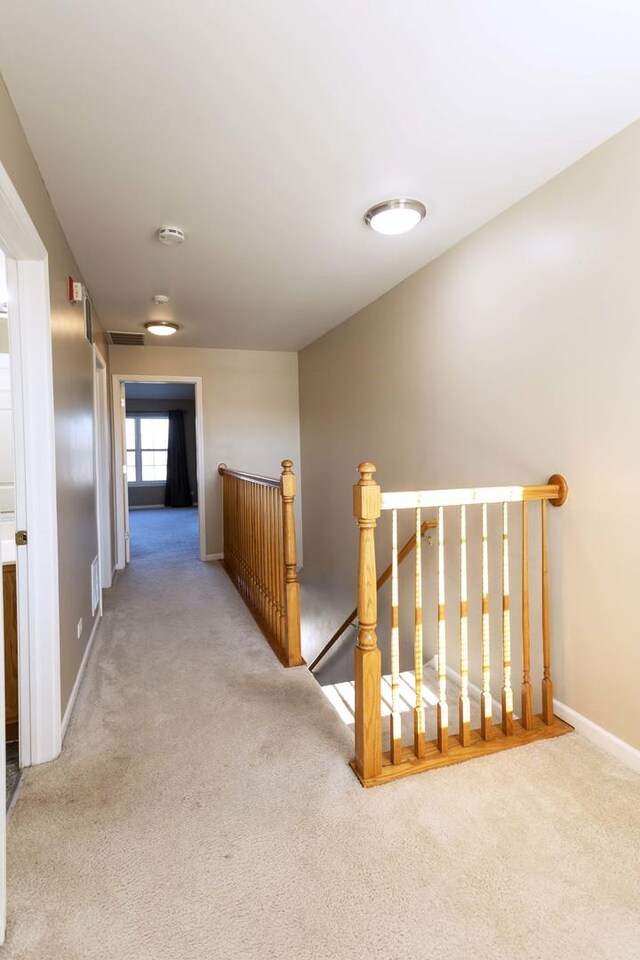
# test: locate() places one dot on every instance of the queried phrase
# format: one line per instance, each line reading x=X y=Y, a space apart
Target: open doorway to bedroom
x=160 y=503
x=162 y=471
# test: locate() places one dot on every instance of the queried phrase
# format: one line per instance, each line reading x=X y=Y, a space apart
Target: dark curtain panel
x=177 y=492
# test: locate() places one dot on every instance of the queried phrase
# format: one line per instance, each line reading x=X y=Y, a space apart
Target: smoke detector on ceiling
x=171 y=236
x=161 y=299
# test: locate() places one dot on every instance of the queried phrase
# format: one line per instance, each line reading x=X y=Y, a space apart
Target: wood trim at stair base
x=433 y=759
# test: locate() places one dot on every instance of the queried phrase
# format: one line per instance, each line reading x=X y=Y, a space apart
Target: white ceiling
x=266 y=129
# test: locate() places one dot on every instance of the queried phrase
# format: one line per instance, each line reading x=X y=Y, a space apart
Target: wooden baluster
x=368 y=736
x=443 y=710
x=225 y=521
x=486 y=702
x=281 y=579
x=395 y=722
x=260 y=549
x=251 y=532
x=292 y=587
x=242 y=495
x=243 y=488
x=276 y=583
x=547 y=682
x=237 y=546
x=527 y=690
x=264 y=550
x=272 y=548
x=464 y=703
x=507 y=693
x=418 y=713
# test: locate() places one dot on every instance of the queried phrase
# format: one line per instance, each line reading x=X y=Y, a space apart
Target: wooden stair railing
x=260 y=553
x=382 y=579
x=370 y=764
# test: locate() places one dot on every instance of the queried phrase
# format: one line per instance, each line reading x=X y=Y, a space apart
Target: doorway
x=159 y=467
x=102 y=458
x=8 y=551
x=29 y=536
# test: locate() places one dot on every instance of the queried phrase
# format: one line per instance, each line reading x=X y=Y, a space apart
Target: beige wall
x=73 y=398
x=250 y=400
x=511 y=357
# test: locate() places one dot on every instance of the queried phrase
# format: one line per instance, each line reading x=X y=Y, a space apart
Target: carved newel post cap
x=366 y=471
x=287 y=465
x=366 y=494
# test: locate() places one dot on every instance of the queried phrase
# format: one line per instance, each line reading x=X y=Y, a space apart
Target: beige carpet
x=203 y=809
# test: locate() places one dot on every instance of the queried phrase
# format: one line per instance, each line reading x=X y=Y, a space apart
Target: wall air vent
x=118 y=338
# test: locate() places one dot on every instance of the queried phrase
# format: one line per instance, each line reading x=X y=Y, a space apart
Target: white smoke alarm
x=171 y=236
x=161 y=299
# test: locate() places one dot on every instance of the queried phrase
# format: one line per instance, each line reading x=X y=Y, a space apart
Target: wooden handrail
x=556 y=491
x=260 y=553
x=224 y=471
x=370 y=764
x=382 y=579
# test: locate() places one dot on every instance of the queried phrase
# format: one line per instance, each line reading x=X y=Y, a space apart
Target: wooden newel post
x=366 y=509
x=293 y=656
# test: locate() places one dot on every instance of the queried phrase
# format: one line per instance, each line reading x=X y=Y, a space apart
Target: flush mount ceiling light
x=395 y=216
x=171 y=236
x=162 y=328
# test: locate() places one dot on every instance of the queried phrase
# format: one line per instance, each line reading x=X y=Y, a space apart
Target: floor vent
x=120 y=339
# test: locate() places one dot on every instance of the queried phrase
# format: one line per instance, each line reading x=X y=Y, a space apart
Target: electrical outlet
x=79 y=628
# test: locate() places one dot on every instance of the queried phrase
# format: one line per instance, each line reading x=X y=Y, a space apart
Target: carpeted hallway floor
x=203 y=809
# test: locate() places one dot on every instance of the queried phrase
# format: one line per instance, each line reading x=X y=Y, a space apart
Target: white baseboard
x=74 y=693
x=148 y=506
x=214 y=556
x=598 y=736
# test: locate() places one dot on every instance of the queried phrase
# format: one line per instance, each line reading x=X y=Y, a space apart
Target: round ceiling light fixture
x=171 y=236
x=395 y=216
x=162 y=328
x=161 y=299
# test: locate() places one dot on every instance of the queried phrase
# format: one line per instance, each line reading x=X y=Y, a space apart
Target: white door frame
x=35 y=500
x=102 y=460
x=35 y=479
x=118 y=380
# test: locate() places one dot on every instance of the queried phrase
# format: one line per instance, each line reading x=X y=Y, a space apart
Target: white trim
x=118 y=380
x=19 y=238
x=36 y=508
x=598 y=736
x=148 y=506
x=35 y=485
x=102 y=451
x=76 y=687
x=214 y=556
